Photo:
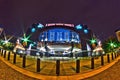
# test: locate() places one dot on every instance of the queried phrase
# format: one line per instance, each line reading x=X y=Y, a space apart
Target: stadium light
x=79 y=27
x=85 y=31
x=39 y=26
x=33 y=30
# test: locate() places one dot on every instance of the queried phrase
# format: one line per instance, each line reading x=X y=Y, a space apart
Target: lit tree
x=6 y=44
x=110 y=44
x=26 y=41
x=93 y=42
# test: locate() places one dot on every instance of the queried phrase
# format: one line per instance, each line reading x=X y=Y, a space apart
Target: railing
x=58 y=65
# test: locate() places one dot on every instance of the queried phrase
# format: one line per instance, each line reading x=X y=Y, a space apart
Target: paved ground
x=113 y=73
x=48 y=67
x=7 y=73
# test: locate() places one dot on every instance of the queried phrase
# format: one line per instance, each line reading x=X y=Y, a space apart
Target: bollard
x=8 y=55
x=112 y=56
x=58 y=67
x=24 y=61
x=108 y=58
x=14 y=59
x=0 y=51
x=77 y=66
x=115 y=55
x=38 y=64
x=4 y=54
x=92 y=63
x=102 y=60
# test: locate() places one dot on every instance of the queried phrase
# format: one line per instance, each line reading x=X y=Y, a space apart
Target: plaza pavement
x=35 y=76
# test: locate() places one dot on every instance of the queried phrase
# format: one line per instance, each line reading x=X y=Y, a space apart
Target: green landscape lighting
x=26 y=38
x=112 y=44
x=5 y=42
x=93 y=40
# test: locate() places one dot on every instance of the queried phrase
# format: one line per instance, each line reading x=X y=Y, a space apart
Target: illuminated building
x=61 y=33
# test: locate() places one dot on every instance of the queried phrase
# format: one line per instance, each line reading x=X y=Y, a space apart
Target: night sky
x=102 y=16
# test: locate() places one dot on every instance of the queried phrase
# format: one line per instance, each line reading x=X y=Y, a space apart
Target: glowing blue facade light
x=33 y=30
x=85 y=31
x=79 y=27
x=40 y=26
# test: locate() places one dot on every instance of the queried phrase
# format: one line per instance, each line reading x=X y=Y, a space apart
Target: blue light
x=85 y=31
x=79 y=27
x=40 y=26
x=33 y=30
